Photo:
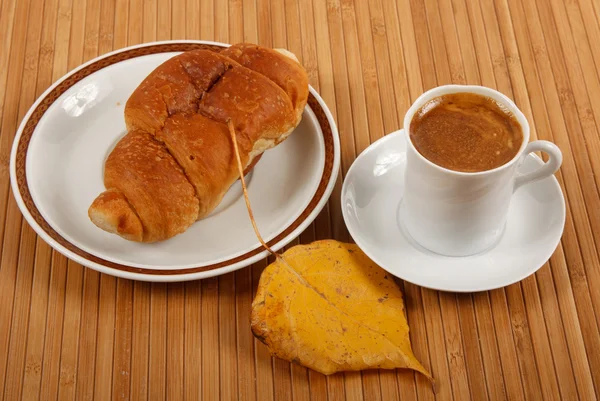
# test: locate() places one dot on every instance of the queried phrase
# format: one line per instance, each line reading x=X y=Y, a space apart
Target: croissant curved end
x=112 y=212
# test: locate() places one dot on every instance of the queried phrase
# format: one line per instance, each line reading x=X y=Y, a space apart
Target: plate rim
x=360 y=243
x=283 y=237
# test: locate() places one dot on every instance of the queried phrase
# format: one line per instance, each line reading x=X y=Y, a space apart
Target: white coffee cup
x=456 y=213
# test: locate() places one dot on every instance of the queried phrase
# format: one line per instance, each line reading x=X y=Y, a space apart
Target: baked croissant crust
x=176 y=161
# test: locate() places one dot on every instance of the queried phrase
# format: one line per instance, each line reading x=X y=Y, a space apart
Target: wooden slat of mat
x=579 y=248
x=121 y=26
x=210 y=338
x=158 y=363
x=246 y=384
x=14 y=286
x=539 y=338
x=228 y=328
x=54 y=328
x=592 y=30
x=584 y=80
x=573 y=96
x=36 y=332
x=149 y=20
x=293 y=32
x=207 y=19
x=577 y=108
x=582 y=159
x=140 y=345
x=67 y=378
x=563 y=288
x=389 y=112
x=221 y=21
x=87 y=336
x=7 y=20
x=192 y=362
x=11 y=221
x=113 y=327
x=165 y=17
x=172 y=348
x=19 y=326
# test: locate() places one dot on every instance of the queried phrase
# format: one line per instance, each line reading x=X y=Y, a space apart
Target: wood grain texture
x=67 y=332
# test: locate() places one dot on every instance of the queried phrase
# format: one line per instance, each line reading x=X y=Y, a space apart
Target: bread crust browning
x=258 y=108
x=177 y=162
x=285 y=72
x=153 y=183
x=176 y=86
x=207 y=160
x=113 y=213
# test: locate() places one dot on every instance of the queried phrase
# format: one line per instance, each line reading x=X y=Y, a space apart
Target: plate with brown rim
x=57 y=162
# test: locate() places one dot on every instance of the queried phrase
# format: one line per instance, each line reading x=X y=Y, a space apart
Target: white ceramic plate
x=371 y=196
x=57 y=170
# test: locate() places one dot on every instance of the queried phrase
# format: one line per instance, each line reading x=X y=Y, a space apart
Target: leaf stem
x=244 y=189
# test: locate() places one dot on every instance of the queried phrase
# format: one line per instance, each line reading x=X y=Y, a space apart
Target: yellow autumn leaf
x=328 y=307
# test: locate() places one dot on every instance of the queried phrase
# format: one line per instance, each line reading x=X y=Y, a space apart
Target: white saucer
x=371 y=195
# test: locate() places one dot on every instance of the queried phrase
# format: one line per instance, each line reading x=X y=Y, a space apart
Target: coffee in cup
x=466 y=132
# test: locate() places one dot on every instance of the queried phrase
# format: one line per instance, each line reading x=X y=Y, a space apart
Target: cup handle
x=549 y=168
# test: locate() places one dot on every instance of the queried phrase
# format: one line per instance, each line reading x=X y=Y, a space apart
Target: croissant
x=177 y=161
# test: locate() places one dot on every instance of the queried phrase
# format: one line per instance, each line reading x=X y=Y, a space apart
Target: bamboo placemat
x=71 y=333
